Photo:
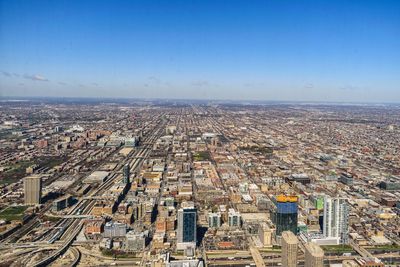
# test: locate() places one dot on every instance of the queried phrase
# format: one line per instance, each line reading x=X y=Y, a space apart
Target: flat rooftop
x=289 y=237
x=314 y=249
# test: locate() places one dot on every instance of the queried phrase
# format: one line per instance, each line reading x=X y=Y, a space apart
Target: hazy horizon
x=339 y=51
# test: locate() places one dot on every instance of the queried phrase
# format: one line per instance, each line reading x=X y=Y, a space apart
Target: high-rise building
x=139 y=210
x=187 y=226
x=234 y=218
x=336 y=219
x=314 y=255
x=126 y=171
x=33 y=189
x=285 y=215
x=289 y=249
x=265 y=234
x=214 y=220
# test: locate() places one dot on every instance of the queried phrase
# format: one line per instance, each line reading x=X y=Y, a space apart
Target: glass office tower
x=187 y=226
x=285 y=214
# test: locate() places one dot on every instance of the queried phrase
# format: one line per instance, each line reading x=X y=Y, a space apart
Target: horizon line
x=199 y=99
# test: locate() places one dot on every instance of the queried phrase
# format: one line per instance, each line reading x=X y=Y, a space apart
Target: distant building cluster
x=200 y=185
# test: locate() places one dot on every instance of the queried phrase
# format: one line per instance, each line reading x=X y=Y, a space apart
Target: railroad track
x=75 y=225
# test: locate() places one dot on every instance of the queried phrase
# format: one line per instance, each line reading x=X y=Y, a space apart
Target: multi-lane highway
x=72 y=226
x=65 y=231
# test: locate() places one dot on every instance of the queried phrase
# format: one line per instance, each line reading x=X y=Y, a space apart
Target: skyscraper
x=285 y=215
x=33 y=189
x=126 y=171
x=314 y=255
x=187 y=226
x=289 y=249
x=336 y=216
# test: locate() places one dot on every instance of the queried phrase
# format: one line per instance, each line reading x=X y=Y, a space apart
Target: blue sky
x=264 y=50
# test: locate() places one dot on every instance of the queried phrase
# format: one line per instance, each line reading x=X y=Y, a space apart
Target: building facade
x=265 y=234
x=234 y=218
x=135 y=242
x=314 y=255
x=33 y=190
x=126 y=171
x=336 y=219
x=214 y=220
x=187 y=227
x=114 y=229
x=285 y=215
x=289 y=249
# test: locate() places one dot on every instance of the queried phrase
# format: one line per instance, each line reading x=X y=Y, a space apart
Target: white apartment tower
x=336 y=219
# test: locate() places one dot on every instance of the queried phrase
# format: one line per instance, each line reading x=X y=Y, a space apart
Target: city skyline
x=285 y=51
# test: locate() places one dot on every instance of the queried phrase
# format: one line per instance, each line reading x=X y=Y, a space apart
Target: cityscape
x=174 y=183
x=200 y=133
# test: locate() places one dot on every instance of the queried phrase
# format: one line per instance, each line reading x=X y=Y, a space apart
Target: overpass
x=62 y=249
x=360 y=250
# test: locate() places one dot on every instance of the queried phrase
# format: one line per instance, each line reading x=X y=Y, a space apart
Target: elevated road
x=74 y=225
x=255 y=253
x=360 y=250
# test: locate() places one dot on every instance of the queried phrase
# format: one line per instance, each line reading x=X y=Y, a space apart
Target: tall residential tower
x=33 y=189
x=289 y=249
x=336 y=219
x=314 y=255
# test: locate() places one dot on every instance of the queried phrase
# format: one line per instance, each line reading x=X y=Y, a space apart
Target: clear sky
x=264 y=50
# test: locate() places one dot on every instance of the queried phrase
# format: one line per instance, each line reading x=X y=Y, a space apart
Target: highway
x=360 y=250
x=65 y=231
x=255 y=253
x=74 y=225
